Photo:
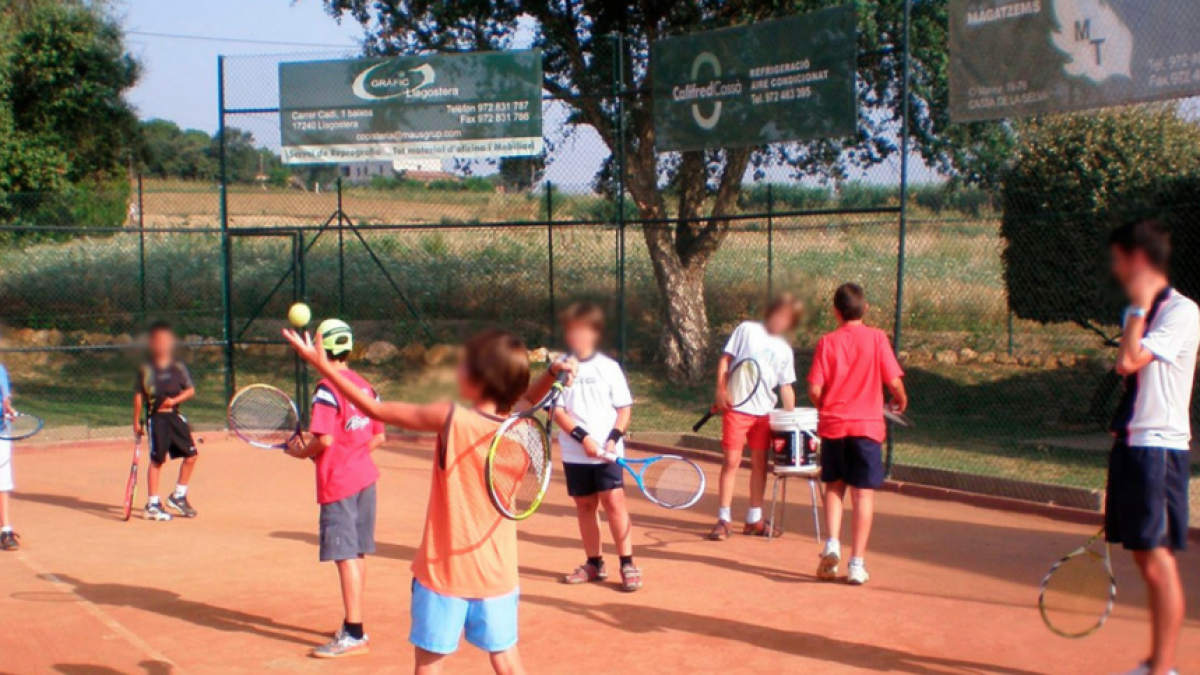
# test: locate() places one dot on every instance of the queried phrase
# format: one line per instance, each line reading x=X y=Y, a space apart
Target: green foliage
x=1076 y=177
x=170 y=152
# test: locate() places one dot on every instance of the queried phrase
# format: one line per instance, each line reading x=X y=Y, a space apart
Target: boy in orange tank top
x=465 y=570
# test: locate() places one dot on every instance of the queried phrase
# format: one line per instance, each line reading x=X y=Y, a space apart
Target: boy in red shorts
x=749 y=422
x=851 y=367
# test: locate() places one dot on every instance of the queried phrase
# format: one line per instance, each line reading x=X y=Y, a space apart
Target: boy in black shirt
x=163 y=384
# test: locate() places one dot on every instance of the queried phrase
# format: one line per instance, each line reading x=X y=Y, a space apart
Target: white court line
x=103 y=617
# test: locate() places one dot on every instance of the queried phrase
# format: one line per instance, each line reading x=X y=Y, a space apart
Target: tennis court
x=239 y=590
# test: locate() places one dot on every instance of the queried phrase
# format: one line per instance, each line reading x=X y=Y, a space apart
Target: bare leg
x=733 y=460
x=353 y=576
x=864 y=515
x=4 y=517
x=1167 y=605
x=758 y=477
x=618 y=520
x=152 y=474
x=587 y=510
x=834 y=494
x=507 y=663
x=428 y=663
x=185 y=470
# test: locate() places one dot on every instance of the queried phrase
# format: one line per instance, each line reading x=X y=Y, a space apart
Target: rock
x=1006 y=359
x=413 y=352
x=987 y=357
x=381 y=352
x=922 y=356
x=1030 y=361
x=96 y=339
x=122 y=339
x=904 y=357
x=40 y=338
x=967 y=355
x=21 y=336
x=440 y=354
x=192 y=339
x=54 y=337
x=539 y=355
x=1050 y=362
x=947 y=356
x=1068 y=360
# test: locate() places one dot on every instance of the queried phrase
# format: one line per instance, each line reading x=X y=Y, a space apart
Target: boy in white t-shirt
x=593 y=417
x=749 y=423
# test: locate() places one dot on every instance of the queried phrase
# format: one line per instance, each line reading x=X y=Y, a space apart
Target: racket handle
x=609 y=457
x=703 y=420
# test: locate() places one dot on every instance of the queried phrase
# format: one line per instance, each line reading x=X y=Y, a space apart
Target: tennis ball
x=299 y=315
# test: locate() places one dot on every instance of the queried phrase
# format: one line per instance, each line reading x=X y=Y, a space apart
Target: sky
x=179 y=82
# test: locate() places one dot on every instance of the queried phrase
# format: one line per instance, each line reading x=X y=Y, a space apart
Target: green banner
x=770 y=82
x=434 y=106
x=1011 y=58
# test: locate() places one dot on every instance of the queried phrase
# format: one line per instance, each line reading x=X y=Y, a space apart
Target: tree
x=170 y=152
x=576 y=38
x=1076 y=177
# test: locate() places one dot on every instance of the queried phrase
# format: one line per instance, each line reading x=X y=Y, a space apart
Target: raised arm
x=411 y=416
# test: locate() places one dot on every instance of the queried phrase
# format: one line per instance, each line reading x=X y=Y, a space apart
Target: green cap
x=336 y=336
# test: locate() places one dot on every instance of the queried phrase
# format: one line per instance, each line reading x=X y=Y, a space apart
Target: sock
x=833 y=545
x=753 y=515
x=857 y=561
x=725 y=513
x=6 y=529
x=354 y=630
x=626 y=560
x=154 y=501
x=597 y=562
x=180 y=491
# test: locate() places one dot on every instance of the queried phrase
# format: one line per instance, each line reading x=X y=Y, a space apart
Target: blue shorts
x=438 y=621
x=1146 y=504
x=585 y=480
x=854 y=460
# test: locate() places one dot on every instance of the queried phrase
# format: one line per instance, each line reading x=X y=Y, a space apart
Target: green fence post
x=227 y=253
x=141 y=207
x=903 y=233
x=550 y=258
x=770 y=242
x=619 y=95
x=341 y=252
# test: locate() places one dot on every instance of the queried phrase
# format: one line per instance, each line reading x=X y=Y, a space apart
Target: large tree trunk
x=684 y=338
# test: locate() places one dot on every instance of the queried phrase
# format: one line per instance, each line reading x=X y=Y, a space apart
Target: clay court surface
x=239 y=590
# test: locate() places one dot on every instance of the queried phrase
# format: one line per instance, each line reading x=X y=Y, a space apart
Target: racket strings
x=262 y=415
x=743 y=381
x=1078 y=594
x=674 y=483
x=19 y=426
x=520 y=465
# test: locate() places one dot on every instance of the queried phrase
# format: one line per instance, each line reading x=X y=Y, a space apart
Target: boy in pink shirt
x=342 y=441
x=851 y=367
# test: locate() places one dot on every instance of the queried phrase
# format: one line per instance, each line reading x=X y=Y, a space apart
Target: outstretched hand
x=304 y=346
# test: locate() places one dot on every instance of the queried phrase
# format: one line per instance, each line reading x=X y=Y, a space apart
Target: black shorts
x=585 y=480
x=170 y=436
x=1146 y=505
x=854 y=460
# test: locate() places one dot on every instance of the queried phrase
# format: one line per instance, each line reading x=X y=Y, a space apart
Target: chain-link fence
x=417 y=260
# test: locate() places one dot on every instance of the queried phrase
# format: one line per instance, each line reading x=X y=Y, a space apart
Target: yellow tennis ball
x=299 y=315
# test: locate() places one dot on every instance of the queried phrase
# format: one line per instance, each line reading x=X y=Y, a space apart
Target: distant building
x=424 y=170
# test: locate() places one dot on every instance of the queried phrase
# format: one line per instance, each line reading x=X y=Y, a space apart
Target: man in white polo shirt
x=1146 y=509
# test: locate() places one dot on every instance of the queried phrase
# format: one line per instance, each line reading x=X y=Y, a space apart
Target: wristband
x=579 y=433
x=616 y=435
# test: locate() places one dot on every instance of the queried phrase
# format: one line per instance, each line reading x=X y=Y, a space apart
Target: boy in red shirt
x=343 y=439
x=851 y=367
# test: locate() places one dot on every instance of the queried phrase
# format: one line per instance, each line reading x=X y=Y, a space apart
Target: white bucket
x=800 y=419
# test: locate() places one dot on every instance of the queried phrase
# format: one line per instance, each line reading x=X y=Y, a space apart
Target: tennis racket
x=131 y=484
x=744 y=380
x=670 y=481
x=518 y=466
x=893 y=415
x=264 y=417
x=19 y=426
x=1078 y=594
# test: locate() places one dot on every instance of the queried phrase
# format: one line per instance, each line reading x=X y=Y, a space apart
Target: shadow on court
x=648 y=620
x=105 y=511
x=172 y=605
x=382 y=550
x=147 y=668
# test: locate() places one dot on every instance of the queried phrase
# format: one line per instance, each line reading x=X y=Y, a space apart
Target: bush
x=1074 y=179
x=84 y=205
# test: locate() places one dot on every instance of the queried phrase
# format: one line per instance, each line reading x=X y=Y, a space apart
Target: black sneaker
x=181 y=505
x=8 y=541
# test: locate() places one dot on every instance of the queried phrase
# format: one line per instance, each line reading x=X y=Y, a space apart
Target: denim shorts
x=439 y=621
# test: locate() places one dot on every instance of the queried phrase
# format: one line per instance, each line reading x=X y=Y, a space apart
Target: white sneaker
x=155 y=512
x=1144 y=669
x=857 y=575
x=827 y=569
